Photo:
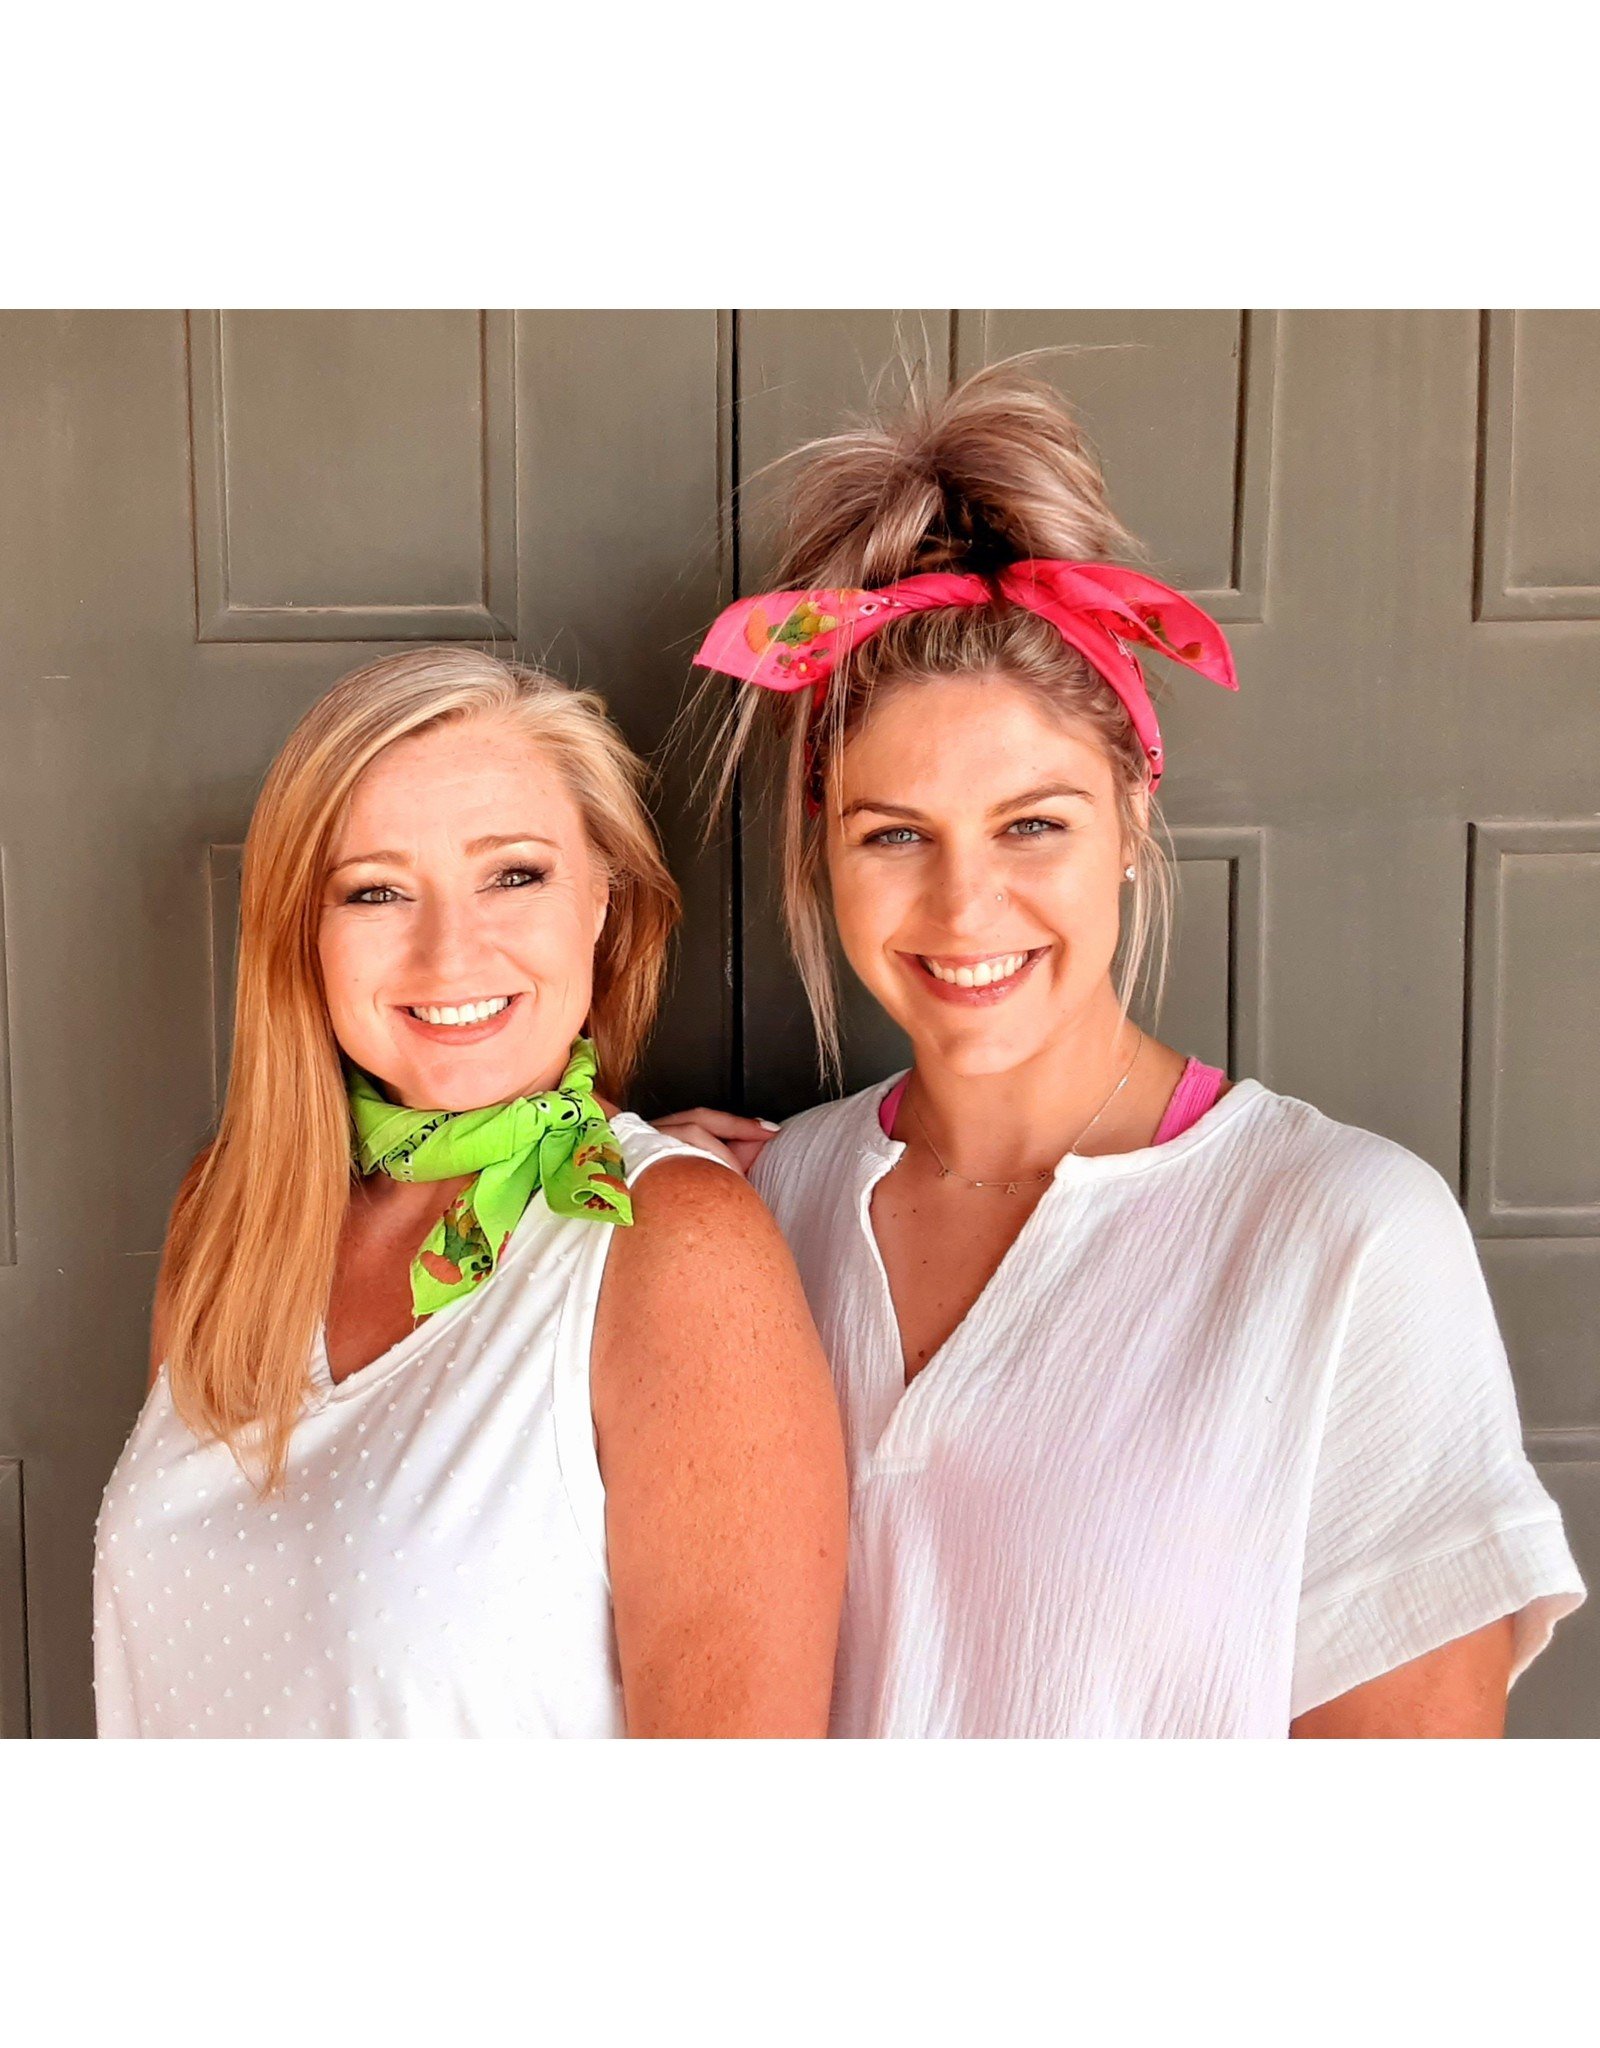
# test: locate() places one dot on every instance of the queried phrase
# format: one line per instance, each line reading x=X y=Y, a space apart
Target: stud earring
x=1127 y=872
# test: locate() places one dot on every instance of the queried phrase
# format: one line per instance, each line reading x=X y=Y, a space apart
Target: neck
x=1025 y=1118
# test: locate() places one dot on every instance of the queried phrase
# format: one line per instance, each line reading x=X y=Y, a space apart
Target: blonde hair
x=249 y=1261
x=994 y=471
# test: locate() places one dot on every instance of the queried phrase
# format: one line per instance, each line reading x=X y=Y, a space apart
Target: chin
x=978 y=1057
x=465 y=1079
x=976 y=1046
x=461 y=1092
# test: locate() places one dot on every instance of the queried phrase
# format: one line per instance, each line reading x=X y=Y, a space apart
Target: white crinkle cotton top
x=437 y=1563
x=1229 y=1432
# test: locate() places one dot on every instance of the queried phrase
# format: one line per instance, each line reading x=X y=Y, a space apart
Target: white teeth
x=1000 y=968
x=460 y=1013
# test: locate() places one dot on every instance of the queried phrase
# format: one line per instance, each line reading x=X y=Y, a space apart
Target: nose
x=449 y=949
x=965 y=894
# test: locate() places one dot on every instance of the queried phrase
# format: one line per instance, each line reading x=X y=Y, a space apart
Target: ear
x=602 y=906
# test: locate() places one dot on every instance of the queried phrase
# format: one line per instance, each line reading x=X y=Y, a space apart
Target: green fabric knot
x=559 y=1141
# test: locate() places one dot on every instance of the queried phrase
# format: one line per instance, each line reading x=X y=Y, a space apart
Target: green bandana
x=559 y=1141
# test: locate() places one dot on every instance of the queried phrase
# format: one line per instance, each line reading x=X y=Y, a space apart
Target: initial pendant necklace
x=1014 y=1187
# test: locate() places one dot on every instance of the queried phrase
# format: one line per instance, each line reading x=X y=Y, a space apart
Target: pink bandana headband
x=792 y=639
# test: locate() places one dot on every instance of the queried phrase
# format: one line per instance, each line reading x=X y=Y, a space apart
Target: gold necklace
x=1013 y=1187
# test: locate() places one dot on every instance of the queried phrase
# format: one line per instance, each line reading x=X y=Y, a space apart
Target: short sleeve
x=1426 y=1521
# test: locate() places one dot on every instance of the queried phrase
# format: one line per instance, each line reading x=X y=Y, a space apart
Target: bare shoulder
x=700 y=1286
x=722 y=1458
x=697 y=1227
x=678 y=1201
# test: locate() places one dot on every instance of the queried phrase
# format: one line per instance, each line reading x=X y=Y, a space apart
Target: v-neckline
x=937 y=1368
x=377 y=1368
x=881 y=1153
x=909 y=1379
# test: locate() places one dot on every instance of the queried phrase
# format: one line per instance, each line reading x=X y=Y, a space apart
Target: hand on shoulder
x=737 y=1140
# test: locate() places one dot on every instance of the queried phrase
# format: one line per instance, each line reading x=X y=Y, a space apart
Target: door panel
x=394 y=518
x=1539 y=537
x=1533 y=1142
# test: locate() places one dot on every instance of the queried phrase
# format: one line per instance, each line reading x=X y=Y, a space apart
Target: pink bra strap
x=1197 y=1091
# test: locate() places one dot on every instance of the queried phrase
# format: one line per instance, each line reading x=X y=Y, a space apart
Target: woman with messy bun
x=1174 y=1408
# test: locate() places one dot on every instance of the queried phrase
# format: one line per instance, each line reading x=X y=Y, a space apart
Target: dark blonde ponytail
x=970 y=480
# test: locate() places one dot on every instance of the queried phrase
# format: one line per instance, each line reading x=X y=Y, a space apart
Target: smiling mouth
x=975 y=977
x=975 y=973
x=458 y=1014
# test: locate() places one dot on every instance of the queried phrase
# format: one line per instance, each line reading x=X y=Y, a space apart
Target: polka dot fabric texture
x=436 y=1564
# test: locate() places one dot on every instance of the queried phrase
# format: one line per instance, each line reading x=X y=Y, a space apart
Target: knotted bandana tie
x=559 y=1141
x=793 y=639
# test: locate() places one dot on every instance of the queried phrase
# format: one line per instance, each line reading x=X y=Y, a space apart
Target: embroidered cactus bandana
x=559 y=1142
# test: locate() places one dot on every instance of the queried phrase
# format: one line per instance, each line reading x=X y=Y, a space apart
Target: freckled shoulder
x=698 y=1291
x=683 y=1204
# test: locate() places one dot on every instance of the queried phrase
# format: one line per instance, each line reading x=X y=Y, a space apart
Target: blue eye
x=1034 y=828
x=892 y=835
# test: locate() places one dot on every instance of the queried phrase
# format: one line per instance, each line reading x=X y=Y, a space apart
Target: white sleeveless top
x=1229 y=1432
x=437 y=1563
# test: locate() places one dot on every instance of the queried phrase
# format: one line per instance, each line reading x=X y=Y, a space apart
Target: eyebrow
x=491 y=843
x=1011 y=803
x=1043 y=794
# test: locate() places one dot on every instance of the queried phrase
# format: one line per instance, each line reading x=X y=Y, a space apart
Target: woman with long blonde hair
x=1173 y=1407
x=476 y=1406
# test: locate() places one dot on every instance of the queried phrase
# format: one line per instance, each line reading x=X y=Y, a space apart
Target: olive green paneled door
x=1388 y=841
